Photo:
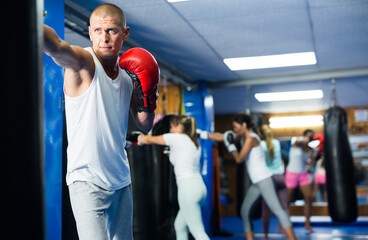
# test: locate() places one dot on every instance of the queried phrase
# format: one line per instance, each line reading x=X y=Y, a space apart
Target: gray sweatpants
x=265 y=188
x=101 y=214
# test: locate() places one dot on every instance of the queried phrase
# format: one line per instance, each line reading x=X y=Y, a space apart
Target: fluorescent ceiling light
x=289 y=96
x=174 y=1
x=300 y=121
x=271 y=61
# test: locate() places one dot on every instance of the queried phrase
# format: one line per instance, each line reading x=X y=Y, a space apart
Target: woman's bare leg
x=290 y=233
x=307 y=193
x=249 y=235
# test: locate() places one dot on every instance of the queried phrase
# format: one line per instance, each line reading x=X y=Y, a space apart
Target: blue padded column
x=53 y=114
x=199 y=104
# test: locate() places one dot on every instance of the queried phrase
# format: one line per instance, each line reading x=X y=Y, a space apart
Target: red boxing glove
x=142 y=67
x=321 y=139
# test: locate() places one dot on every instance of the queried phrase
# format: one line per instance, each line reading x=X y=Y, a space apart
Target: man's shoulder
x=77 y=80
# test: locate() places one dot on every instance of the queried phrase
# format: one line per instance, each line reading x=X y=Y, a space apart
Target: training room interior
x=288 y=64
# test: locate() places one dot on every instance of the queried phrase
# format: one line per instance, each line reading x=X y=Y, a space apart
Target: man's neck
x=110 y=66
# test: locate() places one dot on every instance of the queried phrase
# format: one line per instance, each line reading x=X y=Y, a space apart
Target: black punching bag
x=145 y=174
x=22 y=165
x=168 y=190
x=341 y=189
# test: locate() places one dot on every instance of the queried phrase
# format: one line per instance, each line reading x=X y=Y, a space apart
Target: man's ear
x=89 y=31
x=126 y=32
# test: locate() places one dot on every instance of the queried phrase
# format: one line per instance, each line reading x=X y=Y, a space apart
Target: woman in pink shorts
x=297 y=175
x=319 y=180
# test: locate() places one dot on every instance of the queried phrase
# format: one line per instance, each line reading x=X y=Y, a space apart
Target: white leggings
x=191 y=195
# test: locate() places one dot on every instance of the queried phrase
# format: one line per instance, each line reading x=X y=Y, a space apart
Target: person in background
x=185 y=153
x=260 y=175
x=297 y=174
x=272 y=149
x=319 y=178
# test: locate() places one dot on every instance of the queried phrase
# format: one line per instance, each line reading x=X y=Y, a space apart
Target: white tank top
x=97 y=122
x=256 y=163
x=184 y=155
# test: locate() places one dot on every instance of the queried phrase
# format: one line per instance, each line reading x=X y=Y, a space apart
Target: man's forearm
x=144 y=121
x=51 y=40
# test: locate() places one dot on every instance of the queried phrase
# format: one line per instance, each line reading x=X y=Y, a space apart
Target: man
x=98 y=98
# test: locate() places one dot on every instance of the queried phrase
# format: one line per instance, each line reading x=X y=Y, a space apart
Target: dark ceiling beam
x=323 y=75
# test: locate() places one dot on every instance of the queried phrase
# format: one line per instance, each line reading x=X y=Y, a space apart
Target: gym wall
x=224 y=122
x=172 y=103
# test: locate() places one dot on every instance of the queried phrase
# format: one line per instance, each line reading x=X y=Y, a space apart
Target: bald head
x=109 y=10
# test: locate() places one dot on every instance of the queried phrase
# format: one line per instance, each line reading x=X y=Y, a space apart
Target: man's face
x=107 y=35
x=309 y=136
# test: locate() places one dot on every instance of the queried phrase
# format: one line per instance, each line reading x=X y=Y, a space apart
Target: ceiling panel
x=210 y=10
x=193 y=37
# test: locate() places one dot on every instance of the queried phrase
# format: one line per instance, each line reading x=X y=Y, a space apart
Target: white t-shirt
x=97 y=122
x=256 y=163
x=184 y=155
x=297 y=160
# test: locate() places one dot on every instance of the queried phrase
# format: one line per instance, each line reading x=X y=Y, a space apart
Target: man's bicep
x=75 y=57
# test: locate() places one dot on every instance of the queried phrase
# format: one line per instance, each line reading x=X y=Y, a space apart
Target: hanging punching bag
x=145 y=174
x=168 y=207
x=341 y=189
x=22 y=125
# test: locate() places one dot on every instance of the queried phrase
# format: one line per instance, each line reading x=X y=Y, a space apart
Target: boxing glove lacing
x=148 y=101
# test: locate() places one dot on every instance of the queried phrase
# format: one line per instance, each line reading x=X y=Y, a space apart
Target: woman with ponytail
x=260 y=175
x=272 y=150
x=185 y=153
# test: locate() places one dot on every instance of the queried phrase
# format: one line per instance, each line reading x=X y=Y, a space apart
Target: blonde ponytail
x=267 y=135
x=189 y=125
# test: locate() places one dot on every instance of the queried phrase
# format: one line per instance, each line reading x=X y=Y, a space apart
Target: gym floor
x=322 y=226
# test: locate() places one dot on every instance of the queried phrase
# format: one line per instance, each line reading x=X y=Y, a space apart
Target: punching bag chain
x=334 y=101
x=247 y=101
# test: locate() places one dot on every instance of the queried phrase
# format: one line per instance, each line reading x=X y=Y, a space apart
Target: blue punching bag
x=341 y=189
x=199 y=104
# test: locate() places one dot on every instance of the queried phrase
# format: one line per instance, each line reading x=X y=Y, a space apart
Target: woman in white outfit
x=185 y=153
